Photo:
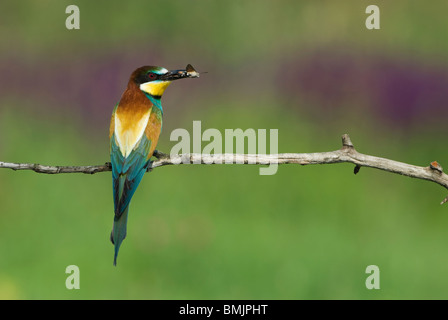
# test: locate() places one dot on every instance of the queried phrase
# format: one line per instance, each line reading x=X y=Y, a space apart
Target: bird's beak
x=172 y=75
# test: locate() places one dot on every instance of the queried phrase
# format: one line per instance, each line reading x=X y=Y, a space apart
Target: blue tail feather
x=119 y=232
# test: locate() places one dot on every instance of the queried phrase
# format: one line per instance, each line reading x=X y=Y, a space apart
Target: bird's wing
x=129 y=157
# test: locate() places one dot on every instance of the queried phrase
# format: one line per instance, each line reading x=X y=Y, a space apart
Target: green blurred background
x=310 y=69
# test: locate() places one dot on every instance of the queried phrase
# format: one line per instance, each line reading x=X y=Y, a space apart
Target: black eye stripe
x=147 y=76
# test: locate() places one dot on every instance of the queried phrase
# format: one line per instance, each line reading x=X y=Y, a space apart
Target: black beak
x=172 y=75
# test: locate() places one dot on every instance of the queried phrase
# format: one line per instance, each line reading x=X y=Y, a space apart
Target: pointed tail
x=119 y=232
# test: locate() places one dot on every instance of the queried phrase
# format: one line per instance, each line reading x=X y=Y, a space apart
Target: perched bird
x=134 y=131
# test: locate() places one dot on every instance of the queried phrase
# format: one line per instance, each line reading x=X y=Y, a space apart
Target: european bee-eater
x=134 y=131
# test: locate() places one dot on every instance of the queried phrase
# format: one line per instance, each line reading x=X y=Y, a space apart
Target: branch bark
x=347 y=153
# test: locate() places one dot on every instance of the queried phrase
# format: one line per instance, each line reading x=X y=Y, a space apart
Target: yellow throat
x=155 y=88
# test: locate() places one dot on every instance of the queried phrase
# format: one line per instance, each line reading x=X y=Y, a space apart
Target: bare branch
x=347 y=153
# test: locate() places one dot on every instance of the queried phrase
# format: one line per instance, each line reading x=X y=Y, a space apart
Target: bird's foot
x=159 y=154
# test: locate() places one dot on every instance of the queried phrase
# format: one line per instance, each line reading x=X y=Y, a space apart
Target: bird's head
x=154 y=80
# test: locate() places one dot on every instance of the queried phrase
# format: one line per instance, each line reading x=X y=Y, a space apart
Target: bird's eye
x=152 y=75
